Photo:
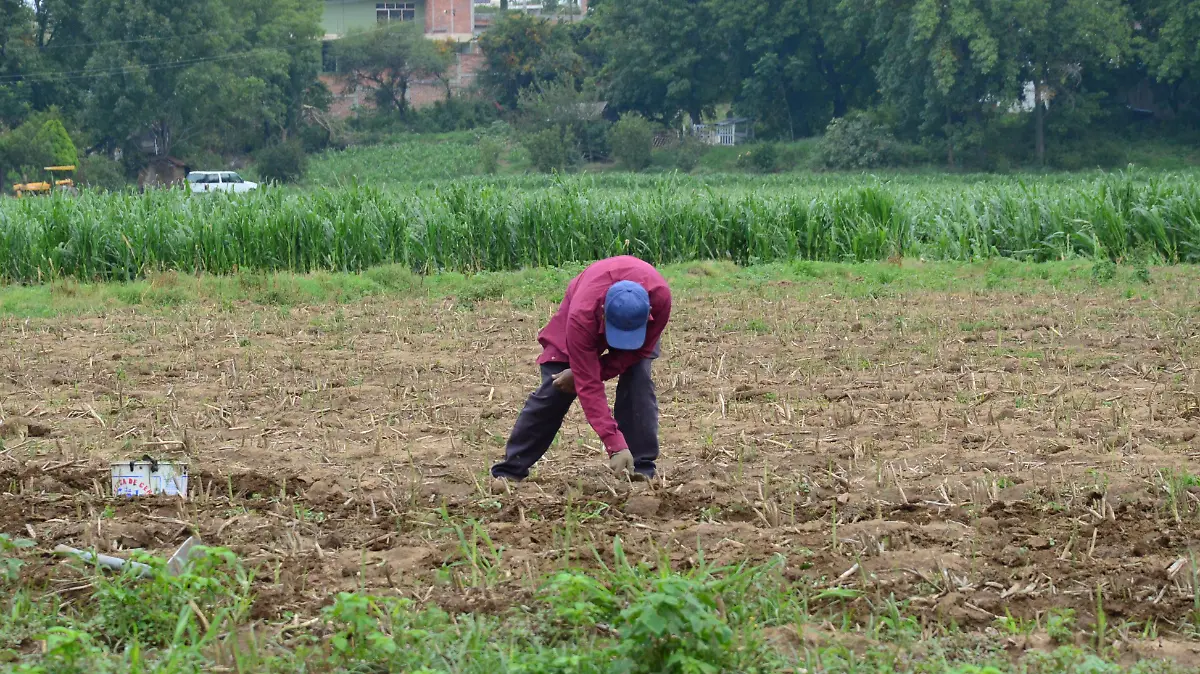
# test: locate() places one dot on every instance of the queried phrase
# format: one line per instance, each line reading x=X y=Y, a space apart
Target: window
x=231 y=178
x=386 y=12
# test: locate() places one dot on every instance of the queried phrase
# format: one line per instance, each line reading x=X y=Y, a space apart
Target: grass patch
x=639 y=618
x=170 y=290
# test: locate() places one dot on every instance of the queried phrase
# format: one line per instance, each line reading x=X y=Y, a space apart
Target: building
x=442 y=19
x=452 y=20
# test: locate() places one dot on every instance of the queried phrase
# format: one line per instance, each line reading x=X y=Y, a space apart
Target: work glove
x=621 y=461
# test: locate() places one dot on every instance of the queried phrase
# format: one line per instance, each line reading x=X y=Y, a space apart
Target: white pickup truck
x=222 y=181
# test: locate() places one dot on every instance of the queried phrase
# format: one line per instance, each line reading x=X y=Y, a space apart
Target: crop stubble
x=973 y=452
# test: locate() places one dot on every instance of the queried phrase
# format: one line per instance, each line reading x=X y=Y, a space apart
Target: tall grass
x=495 y=225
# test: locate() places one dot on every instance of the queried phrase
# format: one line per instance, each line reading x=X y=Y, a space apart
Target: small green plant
x=1060 y=625
x=1104 y=271
x=70 y=651
x=1142 y=273
x=579 y=601
x=358 y=635
x=10 y=567
x=674 y=627
x=162 y=609
x=1015 y=626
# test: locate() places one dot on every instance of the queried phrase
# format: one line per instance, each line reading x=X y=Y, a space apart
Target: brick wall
x=450 y=18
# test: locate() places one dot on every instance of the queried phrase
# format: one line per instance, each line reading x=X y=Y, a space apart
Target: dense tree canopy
x=964 y=79
x=662 y=56
x=523 y=51
x=158 y=74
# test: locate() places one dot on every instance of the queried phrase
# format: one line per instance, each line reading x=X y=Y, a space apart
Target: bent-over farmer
x=620 y=304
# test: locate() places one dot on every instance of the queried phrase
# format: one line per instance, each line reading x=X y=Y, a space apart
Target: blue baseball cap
x=626 y=311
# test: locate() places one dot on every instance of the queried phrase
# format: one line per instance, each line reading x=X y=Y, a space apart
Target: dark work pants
x=635 y=410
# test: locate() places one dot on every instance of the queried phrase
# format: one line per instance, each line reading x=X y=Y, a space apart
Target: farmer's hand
x=621 y=462
x=565 y=381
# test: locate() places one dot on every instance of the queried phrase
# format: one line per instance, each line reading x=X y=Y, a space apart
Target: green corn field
x=496 y=224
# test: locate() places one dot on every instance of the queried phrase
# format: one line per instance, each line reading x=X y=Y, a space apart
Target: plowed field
x=978 y=449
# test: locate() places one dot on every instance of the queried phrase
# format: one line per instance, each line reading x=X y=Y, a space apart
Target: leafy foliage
x=661 y=56
x=761 y=157
x=632 y=139
x=100 y=172
x=675 y=627
x=200 y=74
x=57 y=145
x=490 y=149
x=561 y=125
x=40 y=141
x=859 y=142
x=385 y=61
x=10 y=567
x=156 y=611
x=550 y=150
x=524 y=51
x=687 y=153
x=283 y=162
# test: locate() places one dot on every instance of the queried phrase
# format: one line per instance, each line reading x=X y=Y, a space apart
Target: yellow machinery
x=60 y=185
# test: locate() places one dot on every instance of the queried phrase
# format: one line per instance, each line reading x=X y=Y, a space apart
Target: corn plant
x=494 y=224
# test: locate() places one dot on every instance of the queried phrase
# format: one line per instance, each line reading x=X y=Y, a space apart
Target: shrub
x=102 y=173
x=675 y=627
x=548 y=150
x=688 y=153
x=858 y=142
x=489 y=154
x=454 y=114
x=761 y=157
x=61 y=151
x=315 y=138
x=631 y=139
x=284 y=162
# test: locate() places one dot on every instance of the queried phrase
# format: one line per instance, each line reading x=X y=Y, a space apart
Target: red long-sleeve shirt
x=575 y=335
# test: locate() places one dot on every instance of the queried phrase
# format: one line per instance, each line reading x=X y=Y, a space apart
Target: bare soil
x=975 y=452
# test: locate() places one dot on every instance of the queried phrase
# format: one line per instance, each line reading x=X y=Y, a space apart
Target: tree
x=662 y=56
x=1055 y=42
x=941 y=67
x=801 y=62
x=162 y=72
x=560 y=123
x=213 y=75
x=522 y=50
x=1166 y=42
x=286 y=35
x=64 y=44
x=40 y=141
x=17 y=61
x=56 y=145
x=388 y=60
